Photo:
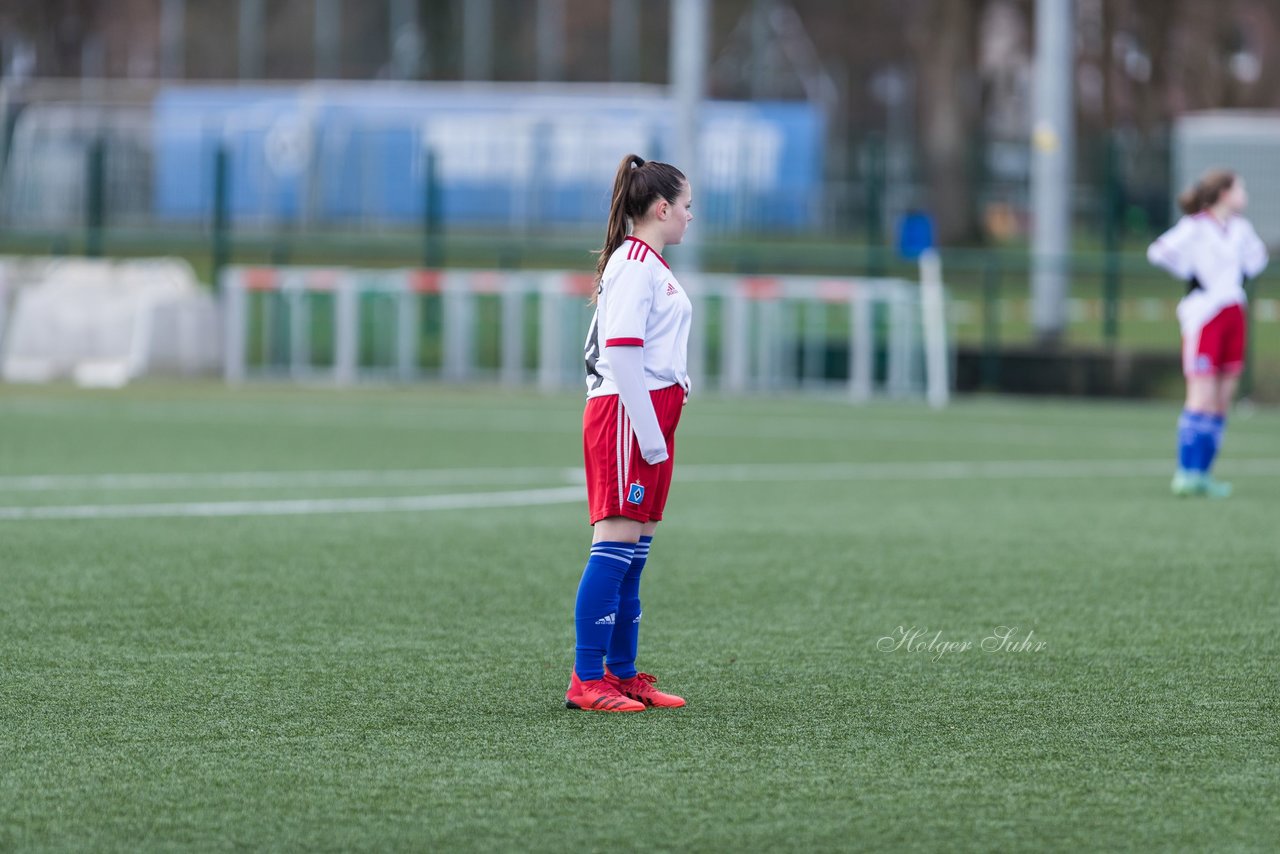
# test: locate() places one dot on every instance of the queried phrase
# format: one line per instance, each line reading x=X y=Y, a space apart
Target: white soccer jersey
x=639 y=304
x=1219 y=255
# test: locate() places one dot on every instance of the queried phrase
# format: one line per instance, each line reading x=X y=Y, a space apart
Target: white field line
x=303 y=507
x=746 y=473
x=981 y=470
x=285 y=479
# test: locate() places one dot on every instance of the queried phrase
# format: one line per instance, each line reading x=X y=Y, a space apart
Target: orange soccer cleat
x=640 y=687
x=599 y=695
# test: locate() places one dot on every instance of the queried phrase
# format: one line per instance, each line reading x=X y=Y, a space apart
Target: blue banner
x=504 y=156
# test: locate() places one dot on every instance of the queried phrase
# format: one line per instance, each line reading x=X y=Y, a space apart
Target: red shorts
x=619 y=481
x=1219 y=347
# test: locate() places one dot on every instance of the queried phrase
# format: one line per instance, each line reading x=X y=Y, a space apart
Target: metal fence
x=358 y=158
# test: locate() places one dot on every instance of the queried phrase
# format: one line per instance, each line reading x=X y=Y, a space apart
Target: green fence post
x=991 y=322
x=282 y=244
x=221 y=246
x=1111 y=206
x=874 y=160
x=95 y=197
x=432 y=257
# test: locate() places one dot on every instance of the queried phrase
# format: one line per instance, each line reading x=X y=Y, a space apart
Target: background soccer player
x=637 y=382
x=1214 y=249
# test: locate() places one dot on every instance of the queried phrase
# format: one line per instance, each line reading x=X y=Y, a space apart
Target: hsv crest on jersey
x=635 y=494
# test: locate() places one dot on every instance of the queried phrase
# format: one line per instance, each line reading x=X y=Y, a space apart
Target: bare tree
x=945 y=44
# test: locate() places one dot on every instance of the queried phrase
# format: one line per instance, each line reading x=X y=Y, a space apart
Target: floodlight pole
x=550 y=39
x=252 y=22
x=406 y=46
x=328 y=39
x=173 y=23
x=624 y=41
x=1053 y=152
x=477 y=40
x=689 y=46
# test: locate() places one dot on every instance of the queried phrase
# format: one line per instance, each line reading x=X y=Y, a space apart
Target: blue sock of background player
x=1189 y=441
x=1214 y=426
x=1202 y=442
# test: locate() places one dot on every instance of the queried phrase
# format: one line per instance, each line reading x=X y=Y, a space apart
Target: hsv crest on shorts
x=635 y=494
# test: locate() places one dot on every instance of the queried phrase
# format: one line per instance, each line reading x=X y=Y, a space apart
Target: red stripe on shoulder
x=640 y=251
x=624 y=342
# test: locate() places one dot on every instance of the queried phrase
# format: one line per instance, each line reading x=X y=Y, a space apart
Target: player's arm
x=1253 y=252
x=1172 y=250
x=630 y=298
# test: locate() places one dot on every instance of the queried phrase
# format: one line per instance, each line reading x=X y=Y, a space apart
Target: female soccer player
x=637 y=382
x=1214 y=250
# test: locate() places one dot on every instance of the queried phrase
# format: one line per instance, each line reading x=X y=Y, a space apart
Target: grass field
x=192 y=656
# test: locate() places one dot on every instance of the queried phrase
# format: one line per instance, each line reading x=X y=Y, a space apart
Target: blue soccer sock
x=1202 y=442
x=597 y=607
x=1188 y=434
x=626 y=634
x=1214 y=426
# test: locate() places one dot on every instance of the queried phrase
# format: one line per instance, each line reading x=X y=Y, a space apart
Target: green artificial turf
x=394 y=680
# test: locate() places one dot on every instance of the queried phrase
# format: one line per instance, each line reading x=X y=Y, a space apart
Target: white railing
x=757 y=333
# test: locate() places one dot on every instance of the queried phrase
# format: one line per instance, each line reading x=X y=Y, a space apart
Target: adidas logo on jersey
x=606 y=620
x=671 y=289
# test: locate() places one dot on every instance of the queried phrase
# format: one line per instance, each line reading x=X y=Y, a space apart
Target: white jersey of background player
x=1214 y=250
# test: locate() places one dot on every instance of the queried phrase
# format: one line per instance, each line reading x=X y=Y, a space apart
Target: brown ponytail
x=636 y=186
x=1204 y=194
